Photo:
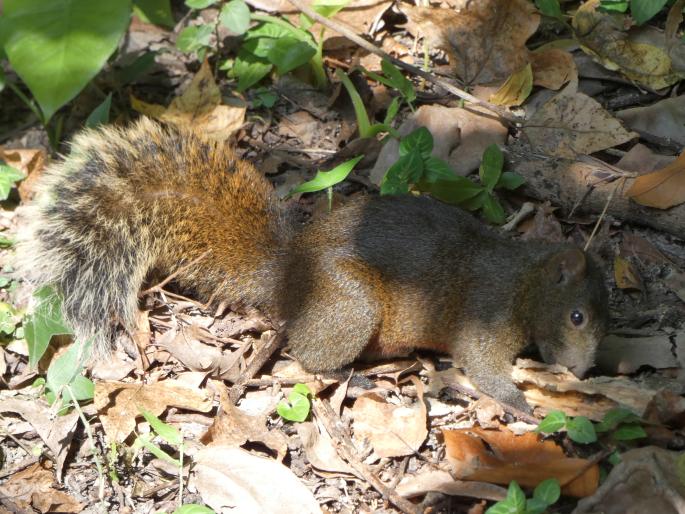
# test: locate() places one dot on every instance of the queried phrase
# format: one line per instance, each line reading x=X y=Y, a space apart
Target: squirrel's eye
x=577 y=318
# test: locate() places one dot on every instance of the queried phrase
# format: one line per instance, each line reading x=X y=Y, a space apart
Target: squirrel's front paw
x=504 y=391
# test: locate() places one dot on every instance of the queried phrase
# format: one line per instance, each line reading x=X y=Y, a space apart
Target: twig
x=350 y=34
x=260 y=357
x=347 y=450
x=175 y=274
x=604 y=211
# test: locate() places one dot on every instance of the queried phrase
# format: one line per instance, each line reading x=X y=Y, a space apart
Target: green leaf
x=645 y=10
x=64 y=370
x=139 y=67
x=553 y=422
x=510 y=180
x=615 y=417
x=8 y=318
x=6 y=242
x=615 y=458
x=170 y=434
x=100 y=115
x=296 y=409
x=289 y=53
x=144 y=441
x=535 y=506
x=398 y=80
x=549 y=8
x=193 y=508
x=503 y=507
x=455 y=190
x=629 y=432
x=249 y=69
x=516 y=497
x=406 y=170
x=680 y=468
x=235 y=16
x=200 y=4
x=264 y=98
x=436 y=169
x=491 y=166
x=45 y=322
x=82 y=388
x=392 y=111
x=3 y=80
x=477 y=201
x=493 y=210
x=259 y=47
x=363 y=123
x=420 y=139
x=269 y=30
x=8 y=177
x=194 y=38
x=581 y=430
x=154 y=11
x=58 y=46
x=303 y=389
x=614 y=5
x=326 y=179
x=548 y=491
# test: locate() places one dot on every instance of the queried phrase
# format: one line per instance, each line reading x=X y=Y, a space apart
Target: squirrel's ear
x=568 y=265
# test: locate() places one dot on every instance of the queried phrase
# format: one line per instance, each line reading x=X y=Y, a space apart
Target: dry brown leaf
x=199 y=107
x=119 y=403
x=641 y=158
x=500 y=457
x=320 y=451
x=392 y=430
x=485 y=41
x=646 y=480
x=626 y=275
x=641 y=53
x=627 y=354
x=663 y=188
x=233 y=480
x=664 y=119
x=572 y=124
x=515 y=89
x=553 y=67
x=56 y=432
x=543 y=226
x=31 y=162
x=34 y=488
x=443 y=482
x=234 y=427
x=640 y=248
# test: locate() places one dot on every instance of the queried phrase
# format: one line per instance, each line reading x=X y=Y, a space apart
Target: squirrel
x=377 y=277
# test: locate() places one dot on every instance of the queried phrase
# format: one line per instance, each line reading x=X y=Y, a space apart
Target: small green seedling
x=298 y=405
x=44 y=322
x=392 y=77
x=622 y=424
x=327 y=179
x=545 y=494
x=9 y=176
x=193 y=508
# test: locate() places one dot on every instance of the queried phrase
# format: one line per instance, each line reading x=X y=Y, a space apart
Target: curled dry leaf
x=119 y=403
x=392 y=430
x=664 y=119
x=442 y=482
x=199 y=107
x=646 y=480
x=500 y=457
x=515 y=89
x=641 y=54
x=485 y=41
x=34 y=488
x=626 y=275
x=552 y=68
x=663 y=188
x=320 y=451
x=571 y=124
x=233 y=480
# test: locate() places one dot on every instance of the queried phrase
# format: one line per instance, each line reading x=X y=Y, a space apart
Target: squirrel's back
x=128 y=201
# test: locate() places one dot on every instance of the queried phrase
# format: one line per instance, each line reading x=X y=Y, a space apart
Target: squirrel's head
x=570 y=311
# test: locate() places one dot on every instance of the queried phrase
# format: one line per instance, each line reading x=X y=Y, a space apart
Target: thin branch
x=350 y=34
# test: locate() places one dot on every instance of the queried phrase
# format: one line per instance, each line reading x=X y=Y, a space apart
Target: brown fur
x=377 y=277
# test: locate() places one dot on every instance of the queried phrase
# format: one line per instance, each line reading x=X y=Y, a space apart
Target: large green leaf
x=58 y=46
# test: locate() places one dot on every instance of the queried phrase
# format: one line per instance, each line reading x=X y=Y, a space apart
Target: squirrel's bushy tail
x=149 y=196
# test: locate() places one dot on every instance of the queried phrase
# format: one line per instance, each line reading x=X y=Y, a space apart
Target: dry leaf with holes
x=485 y=41
x=499 y=456
x=392 y=430
x=663 y=188
x=553 y=67
x=641 y=54
x=119 y=403
x=515 y=89
x=626 y=274
x=571 y=124
x=35 y=488
x=199 y=107
x=233 y=480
